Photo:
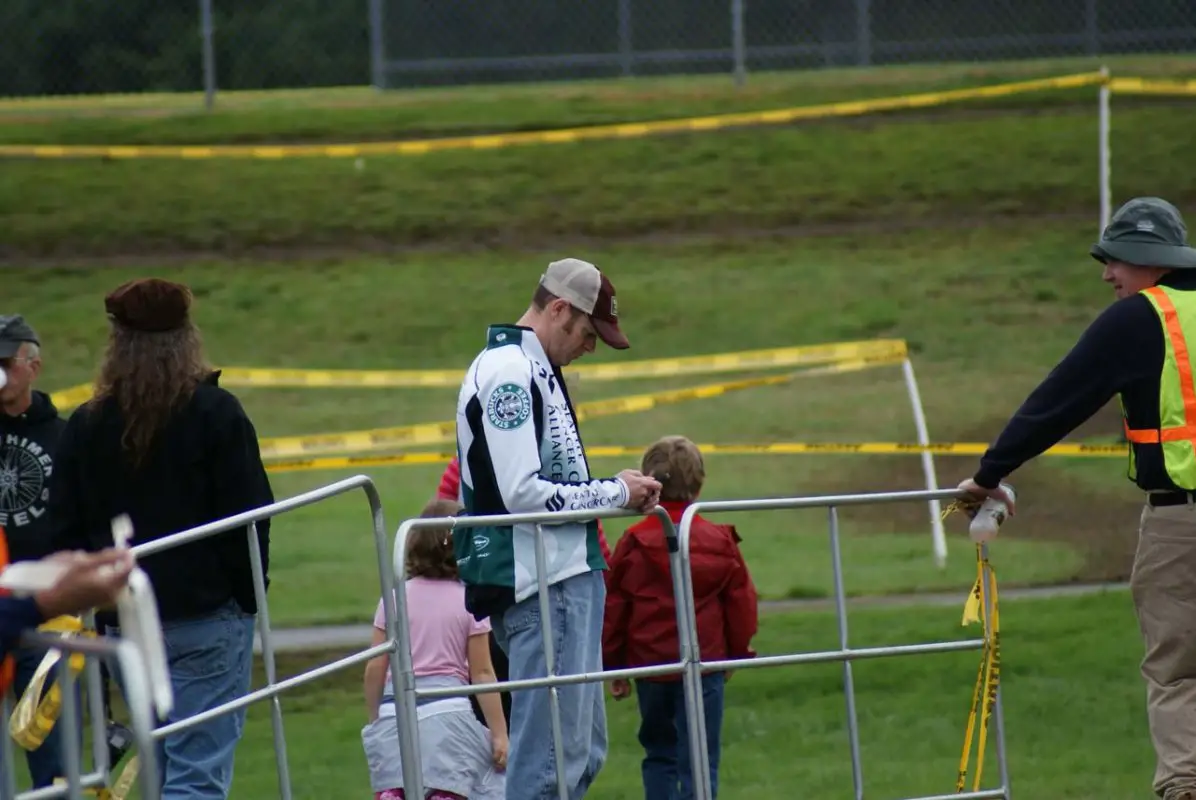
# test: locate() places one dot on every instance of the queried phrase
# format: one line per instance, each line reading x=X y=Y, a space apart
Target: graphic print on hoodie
x=27 y=445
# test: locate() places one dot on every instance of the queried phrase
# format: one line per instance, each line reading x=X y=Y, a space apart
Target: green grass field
x=964 y=233
x=785 y=732
x=680 y=299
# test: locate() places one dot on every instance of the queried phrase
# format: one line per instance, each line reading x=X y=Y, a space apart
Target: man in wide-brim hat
x=1141 y=349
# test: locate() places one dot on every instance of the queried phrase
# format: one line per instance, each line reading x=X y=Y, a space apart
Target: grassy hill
x=961 y=230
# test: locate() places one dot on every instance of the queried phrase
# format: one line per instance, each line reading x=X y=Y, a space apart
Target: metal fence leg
x=263 y=620
x=998 y=710
x=141 y=718
x=95 y=706
x=554 y=701
x=402 y=673
x=853 y=731
x=695 y=709
x=695 y=744
x=70 y=718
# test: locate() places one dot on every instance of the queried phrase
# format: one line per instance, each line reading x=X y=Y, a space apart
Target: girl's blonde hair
x=677 y=463
x=430 y=550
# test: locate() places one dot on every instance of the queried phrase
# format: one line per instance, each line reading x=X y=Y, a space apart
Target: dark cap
x=149 y=304
x=15 y=331
x=587 y=289
x=1146 y=232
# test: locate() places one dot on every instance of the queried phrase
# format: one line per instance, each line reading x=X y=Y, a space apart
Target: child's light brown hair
x=677 y=463
x=430 y=550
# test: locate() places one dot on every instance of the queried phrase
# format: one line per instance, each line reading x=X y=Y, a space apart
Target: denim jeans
x=576 y=606
x=210 y=660
x=45 y=763
x=664 y=734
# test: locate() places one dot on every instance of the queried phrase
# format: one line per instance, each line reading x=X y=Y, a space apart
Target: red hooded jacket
x=640 y=628
x=450 y=483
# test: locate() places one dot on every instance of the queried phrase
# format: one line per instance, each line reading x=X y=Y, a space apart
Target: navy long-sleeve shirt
x=17 y=615
x=1121 y=352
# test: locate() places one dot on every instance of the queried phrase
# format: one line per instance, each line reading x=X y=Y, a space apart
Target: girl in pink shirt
x=461 y=758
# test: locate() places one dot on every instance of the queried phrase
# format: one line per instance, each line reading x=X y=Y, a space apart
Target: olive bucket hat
x=1146 y=232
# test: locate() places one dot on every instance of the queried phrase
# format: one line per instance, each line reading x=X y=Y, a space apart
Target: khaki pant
x=1164 y=590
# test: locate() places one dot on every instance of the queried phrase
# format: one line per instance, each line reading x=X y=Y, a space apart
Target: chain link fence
x=80 y=46
x=461 y=41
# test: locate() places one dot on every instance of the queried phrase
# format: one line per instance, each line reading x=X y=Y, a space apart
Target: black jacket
x=27 y=453
x=1121 y=353
x=203 y=466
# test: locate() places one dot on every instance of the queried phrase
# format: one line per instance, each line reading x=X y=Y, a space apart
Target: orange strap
x=1187 y=388
x=8 y=667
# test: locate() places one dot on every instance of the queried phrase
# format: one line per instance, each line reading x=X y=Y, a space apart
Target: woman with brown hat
x=161 y=442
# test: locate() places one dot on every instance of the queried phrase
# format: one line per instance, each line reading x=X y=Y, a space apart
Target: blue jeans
x=210 y=660
x=576 y=605
x=45 y=763
x=664 y=734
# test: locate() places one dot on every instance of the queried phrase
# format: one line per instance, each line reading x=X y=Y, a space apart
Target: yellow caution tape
x=1149 y=86
x=35 y=714
x=885 y=350
x=628 y=130
x=772 y=449
x=439 y=432
x=988 y=677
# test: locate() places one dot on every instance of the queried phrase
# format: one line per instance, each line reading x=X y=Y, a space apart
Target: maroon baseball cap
x=588 y=290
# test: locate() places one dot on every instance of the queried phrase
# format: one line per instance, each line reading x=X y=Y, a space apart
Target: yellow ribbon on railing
x=37 y=711
x=988 y=677
x=36 y=715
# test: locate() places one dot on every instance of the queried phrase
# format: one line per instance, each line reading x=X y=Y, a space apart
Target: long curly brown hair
x=149 y=376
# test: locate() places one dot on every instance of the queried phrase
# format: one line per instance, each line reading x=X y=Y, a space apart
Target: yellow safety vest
x=1176 y=433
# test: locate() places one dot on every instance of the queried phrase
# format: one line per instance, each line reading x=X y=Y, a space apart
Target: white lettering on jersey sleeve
x=509 y=425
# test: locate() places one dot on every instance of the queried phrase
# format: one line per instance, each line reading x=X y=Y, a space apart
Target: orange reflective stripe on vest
x=1175 y=435
x=8 y=667
x=1187 y=388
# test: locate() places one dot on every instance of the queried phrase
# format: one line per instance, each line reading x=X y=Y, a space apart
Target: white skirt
x=455 y=751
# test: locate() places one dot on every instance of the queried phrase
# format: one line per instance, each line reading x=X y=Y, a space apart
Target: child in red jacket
x=640 y=628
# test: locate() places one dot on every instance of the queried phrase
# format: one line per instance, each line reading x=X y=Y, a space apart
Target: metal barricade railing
x=845 y=654
x=137 y=699
x=689 y=665
x=275 y=687
x=406 y=694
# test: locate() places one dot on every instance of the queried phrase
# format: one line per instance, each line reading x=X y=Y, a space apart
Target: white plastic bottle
x=989 y=518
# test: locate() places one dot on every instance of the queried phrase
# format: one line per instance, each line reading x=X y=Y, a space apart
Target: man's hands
x=978 y=494
x=620 y=688
x=643 y=493
x=91 y=580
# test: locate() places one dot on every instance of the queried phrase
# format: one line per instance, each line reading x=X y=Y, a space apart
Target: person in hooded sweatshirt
x=162 y=442
x=640 y=626
x=29 y=430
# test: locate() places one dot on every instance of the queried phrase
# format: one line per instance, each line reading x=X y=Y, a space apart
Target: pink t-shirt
x=440 y=627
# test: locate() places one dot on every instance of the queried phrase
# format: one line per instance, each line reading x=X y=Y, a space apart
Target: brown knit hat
x=149 y=304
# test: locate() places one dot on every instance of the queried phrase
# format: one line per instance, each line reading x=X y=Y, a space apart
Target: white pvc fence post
x=1104 y=125
x=937 y=533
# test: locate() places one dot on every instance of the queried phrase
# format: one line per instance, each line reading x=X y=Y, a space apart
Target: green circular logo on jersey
x=509 y=406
